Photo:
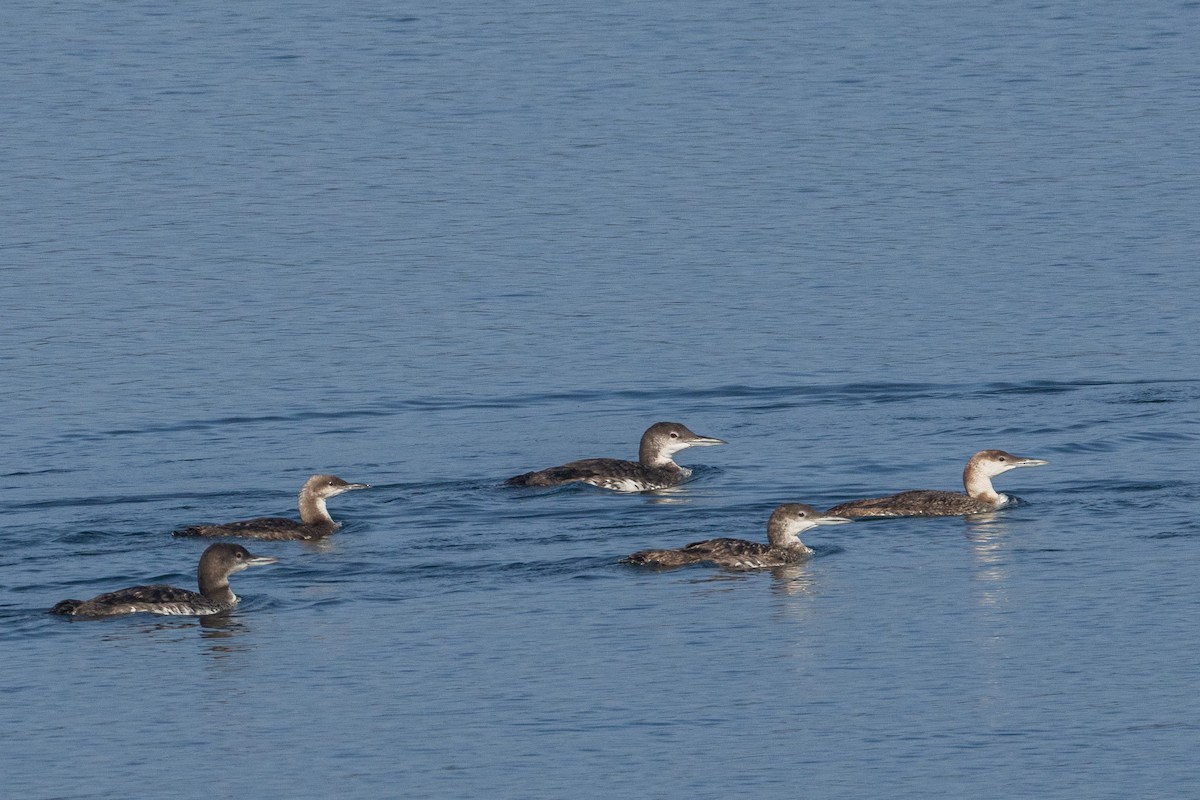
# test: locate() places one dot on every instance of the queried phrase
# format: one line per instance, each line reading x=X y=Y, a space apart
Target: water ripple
x=745 y=396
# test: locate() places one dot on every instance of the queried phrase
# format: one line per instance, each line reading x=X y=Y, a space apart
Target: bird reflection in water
x=671 y=495
x=792 y=580
x=986 y=533
x=221 y=632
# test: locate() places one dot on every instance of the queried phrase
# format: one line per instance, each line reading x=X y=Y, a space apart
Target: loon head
x=990 y=463
x=223 y=559
x=987 y=464
x=789 y=520
x=326 y=486
x=219 y=562
x=664 y=439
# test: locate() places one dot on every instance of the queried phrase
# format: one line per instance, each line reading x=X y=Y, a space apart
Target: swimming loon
x=980 y=498
x=783 y=536
x=217 y=563
x=314 y=523
x=654 y=469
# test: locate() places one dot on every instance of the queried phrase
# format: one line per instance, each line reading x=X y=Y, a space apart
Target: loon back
x=735 y=553
x=917 y=503
x=606 y=473
x=266 y=528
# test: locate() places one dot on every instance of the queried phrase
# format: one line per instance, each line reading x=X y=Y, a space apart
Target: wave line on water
x=779 y=396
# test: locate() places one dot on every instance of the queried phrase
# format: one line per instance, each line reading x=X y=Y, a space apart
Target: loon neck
x=783 y=535
x=657 y=460
x=216 y=588
x=313 y=510
x=652 y=454
x=979 y=486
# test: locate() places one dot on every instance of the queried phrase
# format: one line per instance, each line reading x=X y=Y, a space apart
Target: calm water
x=428 y=246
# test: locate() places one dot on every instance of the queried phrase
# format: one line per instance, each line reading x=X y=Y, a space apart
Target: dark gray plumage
x=217 y=563
x=981 y=496
x=314 y=522
x=783 y=546
x=654 y=469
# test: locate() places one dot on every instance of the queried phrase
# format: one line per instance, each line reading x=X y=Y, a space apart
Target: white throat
x=978 y=483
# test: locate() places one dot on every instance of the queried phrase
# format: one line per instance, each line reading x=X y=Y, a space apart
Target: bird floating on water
x=981 y=496
x=217 y=563
x=654 y=469
x=783 y=546
x=314 y=522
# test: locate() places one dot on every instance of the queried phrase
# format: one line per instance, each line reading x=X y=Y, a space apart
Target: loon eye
x=674 y=435
x=238 y=555
x=802 y=514
x=1001 y=459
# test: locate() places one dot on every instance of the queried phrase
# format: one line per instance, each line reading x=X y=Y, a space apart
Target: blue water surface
x=430 y=246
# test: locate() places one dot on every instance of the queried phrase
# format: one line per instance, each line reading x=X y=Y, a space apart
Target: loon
x=216 y=565
x=654 y=469
x=315 y=520
x=980 y=498
x=783 y=536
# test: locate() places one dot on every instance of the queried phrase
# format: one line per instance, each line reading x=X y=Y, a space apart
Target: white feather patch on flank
x=619 y=484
